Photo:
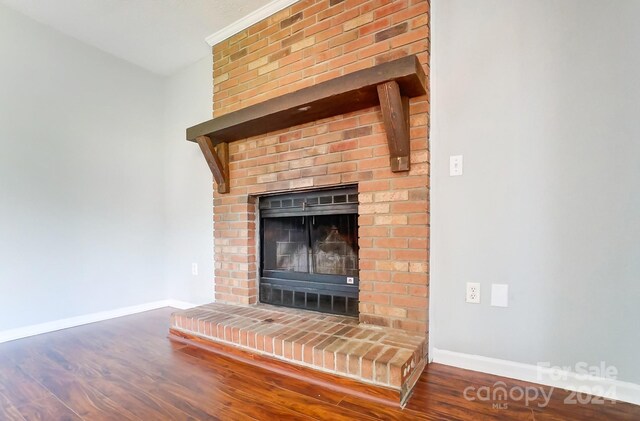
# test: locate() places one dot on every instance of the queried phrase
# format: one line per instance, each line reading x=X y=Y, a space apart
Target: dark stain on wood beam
x=218 y=160
x=395 y=114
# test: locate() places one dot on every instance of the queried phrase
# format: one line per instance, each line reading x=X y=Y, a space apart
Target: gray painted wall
x=103 y=203
x=542 y=99
x=81 y=178
x=188 y=186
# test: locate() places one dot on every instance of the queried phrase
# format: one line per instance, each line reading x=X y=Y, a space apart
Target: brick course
x=386 y=357
x=309 y=42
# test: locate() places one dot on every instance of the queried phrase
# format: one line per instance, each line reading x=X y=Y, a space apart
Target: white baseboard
x=569 y=380
x=181 y=305
x=32 y=330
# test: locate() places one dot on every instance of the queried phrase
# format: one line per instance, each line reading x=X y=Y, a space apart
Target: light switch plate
x=500 y=295
x=455 y=165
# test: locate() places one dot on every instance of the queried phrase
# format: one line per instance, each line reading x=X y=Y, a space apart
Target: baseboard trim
x=610 y=388
x=181 y=305
x=37 y=329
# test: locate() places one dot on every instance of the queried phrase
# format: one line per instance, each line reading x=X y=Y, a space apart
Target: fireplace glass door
x=309 y=250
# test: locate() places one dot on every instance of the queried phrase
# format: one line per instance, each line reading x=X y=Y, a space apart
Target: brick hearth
x=390 y=358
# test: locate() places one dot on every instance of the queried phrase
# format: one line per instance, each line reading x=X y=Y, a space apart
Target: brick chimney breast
x=302 y=45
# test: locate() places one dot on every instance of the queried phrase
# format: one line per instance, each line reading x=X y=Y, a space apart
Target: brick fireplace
x=304 y=44
x=308 y=43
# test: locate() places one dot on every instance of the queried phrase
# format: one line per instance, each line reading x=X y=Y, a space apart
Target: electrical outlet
x=473 y=292
x=194 y=269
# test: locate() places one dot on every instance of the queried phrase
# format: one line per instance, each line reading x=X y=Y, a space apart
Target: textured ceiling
x=159 y=35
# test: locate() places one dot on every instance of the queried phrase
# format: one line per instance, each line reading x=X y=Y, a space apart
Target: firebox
x=309 y=250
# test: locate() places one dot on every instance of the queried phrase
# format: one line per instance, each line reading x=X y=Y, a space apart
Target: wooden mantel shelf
x=389 y=84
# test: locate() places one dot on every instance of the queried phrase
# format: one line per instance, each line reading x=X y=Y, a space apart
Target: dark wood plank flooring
x=127 y=369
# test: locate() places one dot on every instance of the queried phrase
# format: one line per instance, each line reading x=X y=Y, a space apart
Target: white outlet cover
x=194 y=269
x=500 y=295
x=473 y=293
x=455 y=165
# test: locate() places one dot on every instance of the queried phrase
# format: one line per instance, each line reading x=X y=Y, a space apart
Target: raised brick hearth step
x=384 y=357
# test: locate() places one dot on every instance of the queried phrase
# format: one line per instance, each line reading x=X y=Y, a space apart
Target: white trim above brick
x=245 y=22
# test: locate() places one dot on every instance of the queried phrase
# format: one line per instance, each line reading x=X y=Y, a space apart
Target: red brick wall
x=310 y=42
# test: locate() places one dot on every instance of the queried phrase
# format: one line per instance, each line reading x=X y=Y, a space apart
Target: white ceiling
x=159 y=35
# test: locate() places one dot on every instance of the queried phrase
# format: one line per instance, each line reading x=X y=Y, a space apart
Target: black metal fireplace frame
x=286 y=288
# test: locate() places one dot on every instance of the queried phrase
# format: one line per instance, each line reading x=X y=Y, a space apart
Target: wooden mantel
x=389 y=84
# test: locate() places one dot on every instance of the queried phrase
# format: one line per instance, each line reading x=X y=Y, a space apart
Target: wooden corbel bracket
x=395 y=115
x=218 y=159
x=389 y=84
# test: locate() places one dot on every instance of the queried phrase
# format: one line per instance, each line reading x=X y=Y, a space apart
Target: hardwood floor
x=126 y=369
